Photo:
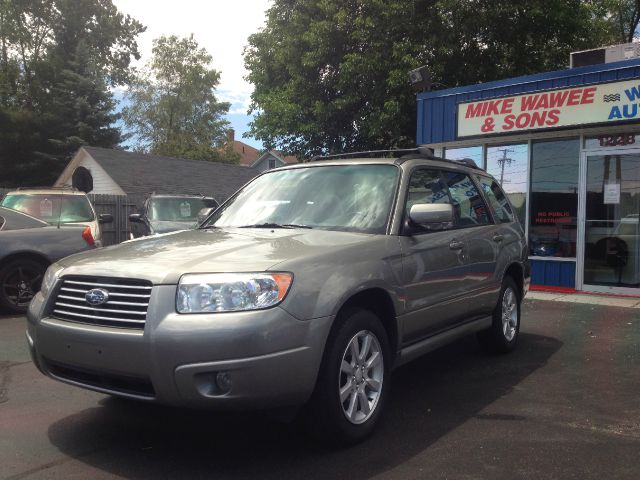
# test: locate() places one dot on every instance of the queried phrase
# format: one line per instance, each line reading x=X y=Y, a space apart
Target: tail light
x=86 y=234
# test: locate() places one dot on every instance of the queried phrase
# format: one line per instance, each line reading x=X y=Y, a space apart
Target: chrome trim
x=110 y=319
x=133 y=287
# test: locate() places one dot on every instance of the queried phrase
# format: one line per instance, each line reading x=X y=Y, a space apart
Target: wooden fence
x=117 y=205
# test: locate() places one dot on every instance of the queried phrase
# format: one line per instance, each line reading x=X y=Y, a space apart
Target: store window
x=508 y=165
x=554 y=198
x=474 y=153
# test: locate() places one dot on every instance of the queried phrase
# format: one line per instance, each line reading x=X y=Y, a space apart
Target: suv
x=168 y=213
x=55 y=206
x=305 y=289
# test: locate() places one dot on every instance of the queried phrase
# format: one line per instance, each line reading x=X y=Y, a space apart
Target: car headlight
x=231 y=292
x=50 y=277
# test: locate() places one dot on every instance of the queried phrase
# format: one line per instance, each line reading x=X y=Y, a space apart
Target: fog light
x=223 y=381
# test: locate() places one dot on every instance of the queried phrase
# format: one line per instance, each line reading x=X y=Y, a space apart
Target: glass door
x=610 y=253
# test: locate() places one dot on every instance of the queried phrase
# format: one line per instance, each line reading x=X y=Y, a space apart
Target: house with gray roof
x=118 y=172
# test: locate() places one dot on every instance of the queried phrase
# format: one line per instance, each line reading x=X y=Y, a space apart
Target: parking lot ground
x=564 y=405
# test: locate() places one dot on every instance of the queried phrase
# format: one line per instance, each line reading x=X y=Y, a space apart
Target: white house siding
x=103 y=184
x=262 y=164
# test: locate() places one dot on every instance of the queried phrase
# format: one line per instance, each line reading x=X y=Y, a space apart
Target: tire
x=20 y=280
x=364 y=381
x=502 y=336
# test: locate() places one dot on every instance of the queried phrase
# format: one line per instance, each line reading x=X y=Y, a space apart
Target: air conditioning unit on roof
x=613 y=53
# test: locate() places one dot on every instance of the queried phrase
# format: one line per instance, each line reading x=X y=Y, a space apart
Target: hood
x=162 y=259
x=159 y=226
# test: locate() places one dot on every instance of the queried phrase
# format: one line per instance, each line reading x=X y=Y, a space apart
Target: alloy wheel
x=361 y=377
x=509 y=314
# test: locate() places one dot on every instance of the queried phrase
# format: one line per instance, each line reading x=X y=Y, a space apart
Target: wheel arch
x=516 y=271
x=378 y=301
x=35 y=256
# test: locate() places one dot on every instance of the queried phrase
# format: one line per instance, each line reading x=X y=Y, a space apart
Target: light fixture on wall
x=420 y=79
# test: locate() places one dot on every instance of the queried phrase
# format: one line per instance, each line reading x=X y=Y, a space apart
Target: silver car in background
x=59 y=206
x=305 y=290
x=27 y=247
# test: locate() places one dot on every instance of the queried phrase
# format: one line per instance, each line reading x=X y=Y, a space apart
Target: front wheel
x=20 y=280
x=502 y=336
x=353 y=381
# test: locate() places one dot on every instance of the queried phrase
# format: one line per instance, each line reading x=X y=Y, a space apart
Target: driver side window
x=425 y=186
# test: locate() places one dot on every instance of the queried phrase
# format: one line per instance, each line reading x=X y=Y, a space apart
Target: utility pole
x=504 y=160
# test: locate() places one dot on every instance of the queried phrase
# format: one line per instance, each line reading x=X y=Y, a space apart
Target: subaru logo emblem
x=97 y=296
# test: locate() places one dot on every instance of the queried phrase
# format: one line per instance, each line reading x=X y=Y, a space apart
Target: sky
x=222 y=27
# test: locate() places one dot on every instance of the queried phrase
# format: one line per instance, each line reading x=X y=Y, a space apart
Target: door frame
x=582 y=217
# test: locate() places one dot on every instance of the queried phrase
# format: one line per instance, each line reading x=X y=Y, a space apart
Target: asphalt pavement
x=564 y=405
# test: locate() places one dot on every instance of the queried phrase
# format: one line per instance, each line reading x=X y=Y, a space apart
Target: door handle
x=456 y=245
x=498 y=238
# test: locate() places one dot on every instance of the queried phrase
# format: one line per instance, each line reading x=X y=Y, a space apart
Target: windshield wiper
x=275 y=225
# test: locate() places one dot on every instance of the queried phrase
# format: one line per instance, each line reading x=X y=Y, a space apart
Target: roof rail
x=403 y=154
x=421 y=150
x=61 y=187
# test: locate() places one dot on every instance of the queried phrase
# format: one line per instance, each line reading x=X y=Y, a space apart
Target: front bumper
x=271 y=357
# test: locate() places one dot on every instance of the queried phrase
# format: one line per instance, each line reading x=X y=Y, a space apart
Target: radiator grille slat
x=126 y=306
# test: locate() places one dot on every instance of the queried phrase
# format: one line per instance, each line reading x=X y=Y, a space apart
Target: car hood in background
x=158 y=226
x=163 y=259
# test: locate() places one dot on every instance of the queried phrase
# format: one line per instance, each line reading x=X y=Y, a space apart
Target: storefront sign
x=553 y=217
x=609 y=102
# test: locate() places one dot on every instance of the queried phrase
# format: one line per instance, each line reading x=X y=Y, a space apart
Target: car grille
x=117 y=383
x=126 y=306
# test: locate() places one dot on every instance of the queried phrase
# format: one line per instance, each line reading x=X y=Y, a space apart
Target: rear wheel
x=502 y=337
x=353 y=381
x=20 y=280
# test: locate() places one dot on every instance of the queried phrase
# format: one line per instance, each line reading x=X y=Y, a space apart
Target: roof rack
x=399 y=152
x=61 y=187
x=403 y=154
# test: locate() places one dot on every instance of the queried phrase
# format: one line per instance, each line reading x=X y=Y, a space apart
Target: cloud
x=221 y=27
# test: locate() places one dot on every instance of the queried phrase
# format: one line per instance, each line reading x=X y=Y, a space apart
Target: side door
x=478 y=233
x=433 y=262
x=507 y=233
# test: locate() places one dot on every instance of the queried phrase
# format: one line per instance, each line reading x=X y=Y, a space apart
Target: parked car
x=58 y=206
x=305 y=289
x=27 y=247
x=169 y=213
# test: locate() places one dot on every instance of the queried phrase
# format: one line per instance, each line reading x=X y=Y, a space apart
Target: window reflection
x=508 y=164
x=554 y=198
x=474 y=153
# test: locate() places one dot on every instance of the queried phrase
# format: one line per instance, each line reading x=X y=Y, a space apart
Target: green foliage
x=173 y=109
x=57 y=61
x=331 y=75
x=623 y=16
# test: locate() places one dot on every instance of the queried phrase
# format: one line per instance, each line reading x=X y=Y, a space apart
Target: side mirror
x=105 y=218
x=204 y=213
x=432 y=215
x=135 y=218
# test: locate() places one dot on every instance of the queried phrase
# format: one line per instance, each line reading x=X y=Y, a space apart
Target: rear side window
x=497 y=199
x=468 y=206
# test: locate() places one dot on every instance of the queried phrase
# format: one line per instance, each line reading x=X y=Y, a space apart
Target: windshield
x=346 y=197
x=177 y=209
x=51 y=208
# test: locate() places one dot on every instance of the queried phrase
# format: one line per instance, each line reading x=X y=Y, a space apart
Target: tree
x=57 y=61
x=173 y=109
x=624 y=16
x=331 y=76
